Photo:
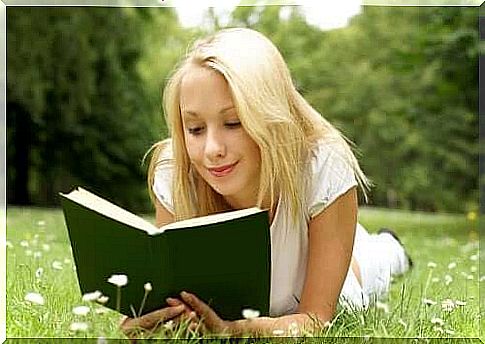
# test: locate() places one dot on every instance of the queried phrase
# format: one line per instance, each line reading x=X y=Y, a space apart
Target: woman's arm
x=331 y=236
x=330 y=242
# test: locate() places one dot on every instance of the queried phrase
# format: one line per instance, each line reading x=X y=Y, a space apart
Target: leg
x=379 y=256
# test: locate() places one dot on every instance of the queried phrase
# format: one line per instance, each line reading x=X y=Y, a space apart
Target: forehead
x=203 y=87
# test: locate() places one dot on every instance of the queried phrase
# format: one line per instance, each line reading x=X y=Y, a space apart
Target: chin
x=225 y=190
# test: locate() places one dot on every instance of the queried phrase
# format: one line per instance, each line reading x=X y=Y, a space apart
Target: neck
x=241 y=203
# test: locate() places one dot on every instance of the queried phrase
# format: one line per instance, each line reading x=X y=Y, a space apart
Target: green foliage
x=74 y=80
x=84 y=95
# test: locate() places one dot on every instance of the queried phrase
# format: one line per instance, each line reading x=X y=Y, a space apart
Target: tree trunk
x=19 y=125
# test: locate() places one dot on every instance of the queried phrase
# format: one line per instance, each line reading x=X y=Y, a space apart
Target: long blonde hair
x=271 y=110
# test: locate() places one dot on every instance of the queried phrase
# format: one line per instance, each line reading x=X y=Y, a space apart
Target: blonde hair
x=271 y=110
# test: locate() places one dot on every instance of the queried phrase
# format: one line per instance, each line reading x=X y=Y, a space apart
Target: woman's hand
x=209 y=319
x=176 y=311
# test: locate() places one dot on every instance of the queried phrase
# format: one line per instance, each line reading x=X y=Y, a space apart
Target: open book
x=224 y=259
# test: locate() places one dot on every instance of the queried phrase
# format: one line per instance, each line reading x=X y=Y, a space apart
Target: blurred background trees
x=84 y=96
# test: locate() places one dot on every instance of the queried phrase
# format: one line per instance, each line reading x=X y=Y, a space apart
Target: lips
x=222 y=171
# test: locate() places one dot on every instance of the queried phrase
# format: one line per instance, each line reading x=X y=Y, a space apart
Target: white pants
x=379 y=256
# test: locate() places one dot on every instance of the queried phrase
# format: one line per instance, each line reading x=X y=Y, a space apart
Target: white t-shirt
x=331 y=177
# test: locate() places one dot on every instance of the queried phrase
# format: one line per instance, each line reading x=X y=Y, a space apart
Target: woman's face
x=218 y=146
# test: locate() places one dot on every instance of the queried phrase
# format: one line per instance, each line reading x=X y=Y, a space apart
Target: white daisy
x=429 y=302
x=169 y=325
x=447 y=305
x=81 y=310
x=118 y=280
x=250 y=313
x=103 y=299
x=35 y=298
x=92 y=296
x=57 y=265
x=79 y=327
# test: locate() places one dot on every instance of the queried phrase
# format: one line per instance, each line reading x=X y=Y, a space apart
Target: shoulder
x=329 y=155
x=162 y=182
x=164 y=151
x=331 y=175
x=164 y=157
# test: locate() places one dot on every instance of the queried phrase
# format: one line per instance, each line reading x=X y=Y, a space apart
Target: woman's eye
x=195 y=130
x=233 y=124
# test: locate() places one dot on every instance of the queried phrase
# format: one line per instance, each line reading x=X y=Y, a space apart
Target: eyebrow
x=223 y=110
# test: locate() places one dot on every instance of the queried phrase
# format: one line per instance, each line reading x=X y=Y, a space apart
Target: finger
x=173 y=301
x=197 y=305
x=202 y=309
x=150 y=320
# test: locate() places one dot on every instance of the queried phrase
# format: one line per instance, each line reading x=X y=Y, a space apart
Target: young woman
x=242 y=136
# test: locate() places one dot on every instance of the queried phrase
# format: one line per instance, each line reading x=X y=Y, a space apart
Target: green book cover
x=224 y=259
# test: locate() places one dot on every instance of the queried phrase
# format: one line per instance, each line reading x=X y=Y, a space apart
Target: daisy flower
x=34 y=298
x=118 y=280
x=250 y=313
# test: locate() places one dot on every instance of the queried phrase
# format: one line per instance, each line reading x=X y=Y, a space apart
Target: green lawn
x=39 y=260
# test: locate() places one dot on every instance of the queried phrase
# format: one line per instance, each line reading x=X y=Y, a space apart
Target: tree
x=73 y=81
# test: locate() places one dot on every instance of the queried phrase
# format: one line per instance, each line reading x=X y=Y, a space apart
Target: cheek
x=254 y=155
x=193 y=154
x=192 y=149
x=256 y=162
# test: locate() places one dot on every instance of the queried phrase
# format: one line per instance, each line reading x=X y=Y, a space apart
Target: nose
x=215 y=147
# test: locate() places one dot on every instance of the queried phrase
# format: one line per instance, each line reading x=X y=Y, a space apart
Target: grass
x=39 y=260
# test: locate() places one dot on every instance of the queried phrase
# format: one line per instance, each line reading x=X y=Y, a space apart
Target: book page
x=214 y=218
x=102 y=206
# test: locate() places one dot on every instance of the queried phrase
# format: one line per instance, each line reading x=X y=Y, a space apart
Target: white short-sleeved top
x=331 y=177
